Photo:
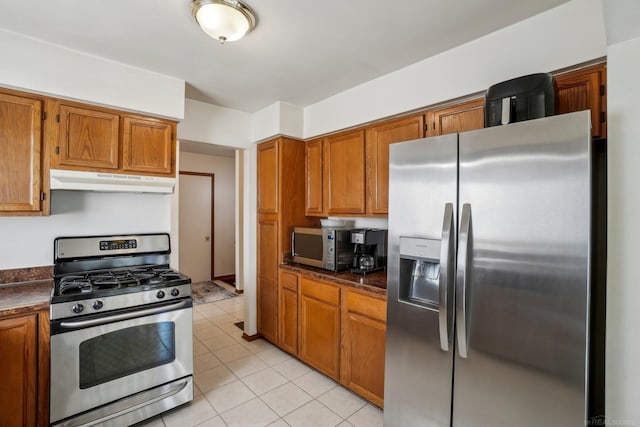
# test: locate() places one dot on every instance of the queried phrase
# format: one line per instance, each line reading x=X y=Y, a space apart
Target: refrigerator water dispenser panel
x=419 y=282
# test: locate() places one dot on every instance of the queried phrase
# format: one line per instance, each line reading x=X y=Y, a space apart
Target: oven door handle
x=125 y=316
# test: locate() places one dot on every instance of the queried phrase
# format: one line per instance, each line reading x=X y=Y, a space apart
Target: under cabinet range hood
x=110 y=182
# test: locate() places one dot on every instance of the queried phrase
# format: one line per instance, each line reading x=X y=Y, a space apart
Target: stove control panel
x=107 y=303
x=110 y=245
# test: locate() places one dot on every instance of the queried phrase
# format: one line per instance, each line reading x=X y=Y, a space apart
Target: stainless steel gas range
x=121 y=331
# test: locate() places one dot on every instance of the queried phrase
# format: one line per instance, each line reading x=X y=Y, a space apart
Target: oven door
x=99 y=359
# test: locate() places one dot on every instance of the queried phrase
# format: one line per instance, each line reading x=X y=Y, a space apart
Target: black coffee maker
x=369 y=250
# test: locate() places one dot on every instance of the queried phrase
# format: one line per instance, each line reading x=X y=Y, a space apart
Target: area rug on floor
x=209 y=291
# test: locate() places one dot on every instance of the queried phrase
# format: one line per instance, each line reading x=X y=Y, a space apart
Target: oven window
x=126 y=351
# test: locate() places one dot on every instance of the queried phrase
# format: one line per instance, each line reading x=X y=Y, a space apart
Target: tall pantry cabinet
x=281 y=204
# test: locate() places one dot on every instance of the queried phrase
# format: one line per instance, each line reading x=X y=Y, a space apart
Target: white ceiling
x=300 y=52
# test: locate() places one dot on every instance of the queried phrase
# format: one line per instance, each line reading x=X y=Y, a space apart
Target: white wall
x=623 y=275
x=28 y=241
x=213 y=124
x=239 y=232
x=225 y=204
x=37 y=66
x=276 y=119
x=561 y=37
x=250 y=244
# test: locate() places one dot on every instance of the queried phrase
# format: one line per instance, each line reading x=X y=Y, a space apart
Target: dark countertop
x=25 y=297
x=374 y=282
x=25 y=290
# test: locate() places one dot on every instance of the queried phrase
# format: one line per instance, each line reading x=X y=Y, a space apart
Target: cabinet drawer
x=289 y=280
x=321 y=291
x=369 y=306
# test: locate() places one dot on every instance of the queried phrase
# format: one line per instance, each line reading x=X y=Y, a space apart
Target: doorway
x=196 y=204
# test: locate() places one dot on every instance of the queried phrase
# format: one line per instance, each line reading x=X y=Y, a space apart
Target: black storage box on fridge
x=528 y=97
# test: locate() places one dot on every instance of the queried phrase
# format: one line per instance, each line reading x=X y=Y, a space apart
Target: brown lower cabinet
x=363 y=344
x=319 y=325
x=24 y=351
x=338 y=330
x=288 y=310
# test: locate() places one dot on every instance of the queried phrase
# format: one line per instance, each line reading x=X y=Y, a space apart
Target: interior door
x=196 y=198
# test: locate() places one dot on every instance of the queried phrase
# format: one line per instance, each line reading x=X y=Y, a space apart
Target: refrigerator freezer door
x=527 y=186
x=422 y=198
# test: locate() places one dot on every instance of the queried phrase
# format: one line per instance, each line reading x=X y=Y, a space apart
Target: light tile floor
x=240 y=383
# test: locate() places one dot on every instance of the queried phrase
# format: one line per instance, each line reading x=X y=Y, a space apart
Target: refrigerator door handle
x=462 y=277
x=445 y=315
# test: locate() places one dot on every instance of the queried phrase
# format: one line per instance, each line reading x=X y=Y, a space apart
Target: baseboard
x=229 y=278
x=239 y=291
x=250 y=337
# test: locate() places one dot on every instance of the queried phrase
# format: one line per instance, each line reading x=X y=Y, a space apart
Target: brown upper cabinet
x=90 y=138
x=23 y=172
x=268 y=171
x=582 y=90
x=147 y=145
x=378 y=139
x=344 y=173
x=456 y=118
x=86 y=138
x=314 y=175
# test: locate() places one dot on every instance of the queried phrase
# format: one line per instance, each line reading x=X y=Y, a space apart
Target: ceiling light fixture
x=224 y=20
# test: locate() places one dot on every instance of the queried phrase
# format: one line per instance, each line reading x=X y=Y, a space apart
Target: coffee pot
x=369 y=250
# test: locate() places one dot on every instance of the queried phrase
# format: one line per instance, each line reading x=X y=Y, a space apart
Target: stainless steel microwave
x=328 y=248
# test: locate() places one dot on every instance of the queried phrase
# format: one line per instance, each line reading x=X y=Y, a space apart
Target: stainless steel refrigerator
x=489 y=277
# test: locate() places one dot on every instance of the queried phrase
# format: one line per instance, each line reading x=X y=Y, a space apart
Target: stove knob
x=77 y=308
x=97 y=305
x=160 y=294
x=175 y=292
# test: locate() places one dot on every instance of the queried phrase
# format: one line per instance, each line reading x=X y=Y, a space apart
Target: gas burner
x=75 y=285
x=170 y=275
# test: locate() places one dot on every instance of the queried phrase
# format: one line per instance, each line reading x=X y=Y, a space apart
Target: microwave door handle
x=293 y=244
x=445 y=291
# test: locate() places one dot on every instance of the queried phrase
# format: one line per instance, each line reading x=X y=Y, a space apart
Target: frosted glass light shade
x=224 y=20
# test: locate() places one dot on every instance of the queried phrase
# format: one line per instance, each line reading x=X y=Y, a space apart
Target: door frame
x=213 y=203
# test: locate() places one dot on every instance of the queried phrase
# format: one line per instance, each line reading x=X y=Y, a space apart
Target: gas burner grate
x=75 y=285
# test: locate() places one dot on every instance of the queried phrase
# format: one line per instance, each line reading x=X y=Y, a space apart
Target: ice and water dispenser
x=420 y=271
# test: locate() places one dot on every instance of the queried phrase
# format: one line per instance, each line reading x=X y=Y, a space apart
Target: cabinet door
x=267 y=279
x=268 y=165
x=147 y=146
x=18 y=388
x=20 y=149
x=86 y=138
x=288 y=312
x=313 y=152
x=319 y=326
x=457 y=118
x=583 y=90
x=344 y=170
x=363 y=346
x=378 y=140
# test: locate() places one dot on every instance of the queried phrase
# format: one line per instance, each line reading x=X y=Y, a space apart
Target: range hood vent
x=110 y=182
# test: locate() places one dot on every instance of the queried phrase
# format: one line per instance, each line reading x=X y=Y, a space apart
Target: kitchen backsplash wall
x=28 y=241
x=362 y=222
